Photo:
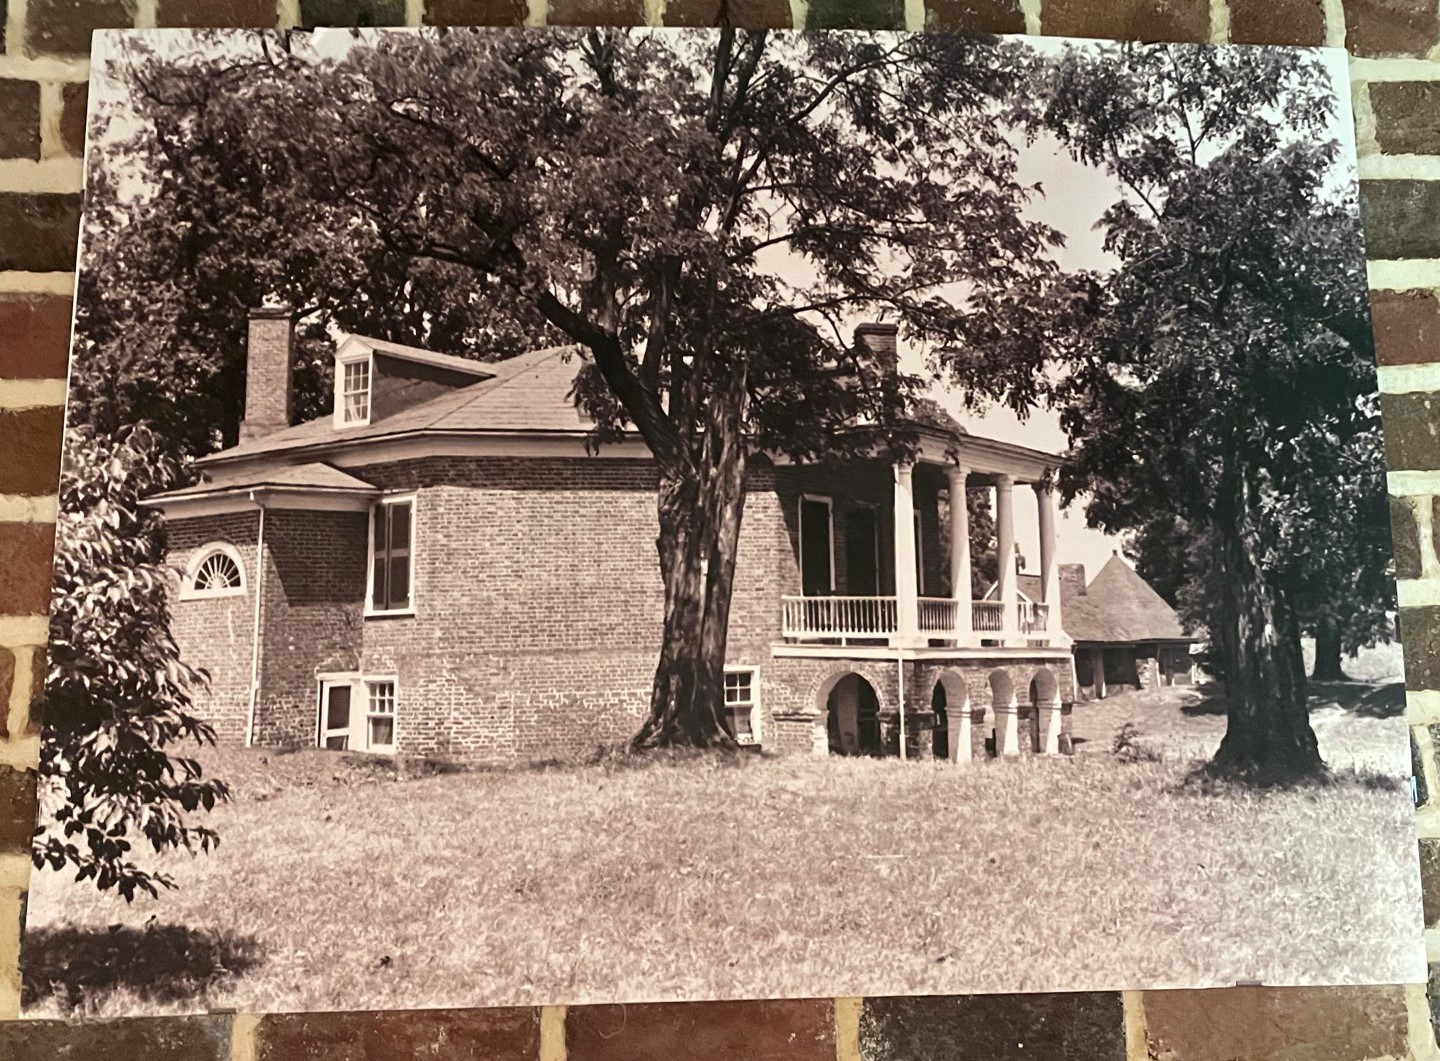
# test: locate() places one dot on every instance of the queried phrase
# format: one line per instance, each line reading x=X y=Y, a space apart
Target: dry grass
x=341 y=885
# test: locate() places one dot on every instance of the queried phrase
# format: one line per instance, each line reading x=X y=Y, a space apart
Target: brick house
x=440 y=567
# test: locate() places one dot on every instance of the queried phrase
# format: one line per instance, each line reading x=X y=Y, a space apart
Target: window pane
x=377 y=595
x=337 y=744
x=399 y=525
x=382 y=513
x=399 y=596
x=382 y=731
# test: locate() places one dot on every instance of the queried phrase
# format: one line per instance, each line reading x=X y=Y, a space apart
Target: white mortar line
x=18 y=630
x=1219 y=22
x=1425 y=748
x=1031 y=10
x=915 y=16
x=1408 y=379
x=1394 y=69
x=17 y=509
x=1417 y=592
x=52 y=108
x=1404 y=274
x=14 y=64
x=1137 y=1045
x=1334 y=23
x=1375 y=167
x=243 y=1039
x=846 y=1012
x=1422 y=1032
x=15 y=871
x=15 y=28
x=1422 y=706
x=31 y=393
x=62 y=175
x=552 y=1034
x=1413 y=483
x=414 y=12
x=287 y=13
x=1363 y=115
x=1424 y=515
x=654 y=12
x=13 y=282
x=537 y=12
x=17 y=711
x=23 y=753
x=146 y=14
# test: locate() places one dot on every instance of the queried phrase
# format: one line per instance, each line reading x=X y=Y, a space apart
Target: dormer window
x=354 y=403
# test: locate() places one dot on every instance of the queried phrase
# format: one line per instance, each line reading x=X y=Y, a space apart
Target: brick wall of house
x=216 y=634
x=1395 y=47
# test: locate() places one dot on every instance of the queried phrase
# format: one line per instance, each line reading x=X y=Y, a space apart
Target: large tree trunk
x=1328 y=651
x=700 y=516
x=1268 y=738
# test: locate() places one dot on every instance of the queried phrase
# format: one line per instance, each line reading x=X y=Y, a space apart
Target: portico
x=911 y=619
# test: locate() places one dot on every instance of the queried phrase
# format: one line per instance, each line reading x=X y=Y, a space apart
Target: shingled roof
x=1118 y=606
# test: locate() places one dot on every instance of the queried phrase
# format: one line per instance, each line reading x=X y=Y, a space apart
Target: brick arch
x=1046 y=686
x=1001 y=684
x=957 y=689
x=819 y=695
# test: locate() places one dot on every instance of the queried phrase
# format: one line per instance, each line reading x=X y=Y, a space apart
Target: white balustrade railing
x=987 y=615
x=838 y=617
x=939 y=615
x=1034 y=618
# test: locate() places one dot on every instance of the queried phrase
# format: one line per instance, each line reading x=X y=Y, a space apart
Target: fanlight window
x=215 y=571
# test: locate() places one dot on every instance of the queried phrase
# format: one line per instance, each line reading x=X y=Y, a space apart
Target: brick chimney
x=1072 y=578
x=880 y=338
x=269 y=349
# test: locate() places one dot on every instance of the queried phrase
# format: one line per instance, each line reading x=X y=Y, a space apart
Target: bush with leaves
x=117 y=697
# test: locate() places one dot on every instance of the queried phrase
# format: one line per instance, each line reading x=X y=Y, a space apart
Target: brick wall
x=1396 y=66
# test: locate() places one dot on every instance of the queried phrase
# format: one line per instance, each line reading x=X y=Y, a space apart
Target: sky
x=1073 y=197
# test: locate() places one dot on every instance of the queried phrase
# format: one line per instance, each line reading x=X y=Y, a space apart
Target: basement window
x=742 y=703
x=357 y=713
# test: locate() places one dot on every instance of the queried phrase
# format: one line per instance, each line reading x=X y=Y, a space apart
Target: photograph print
x=638 y=515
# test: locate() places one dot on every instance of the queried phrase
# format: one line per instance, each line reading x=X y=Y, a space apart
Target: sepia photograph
x=571 y=516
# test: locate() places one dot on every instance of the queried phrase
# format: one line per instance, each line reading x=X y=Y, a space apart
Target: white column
x=1049 y=569
x=1005 y=556
x=959 y=719
x=1007 y=727
x=1052 y=724
x=907 y=584
x=960 y=554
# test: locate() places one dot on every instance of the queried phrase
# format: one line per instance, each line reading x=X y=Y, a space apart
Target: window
x=742 y=703
x=357 y=714
x=391 y=533
x=380 y=717
x=214 y=570
x=355 y=392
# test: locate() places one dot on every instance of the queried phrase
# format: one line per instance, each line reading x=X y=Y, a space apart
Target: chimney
x=880 y=339
x=269 y=349
x=1072 y=578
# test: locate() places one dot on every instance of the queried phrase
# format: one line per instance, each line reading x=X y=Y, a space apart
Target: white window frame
x=392 y=499
x=340 y=409
x=358 y=730
x=829 y=503
x=757 y=737
x=188 y=589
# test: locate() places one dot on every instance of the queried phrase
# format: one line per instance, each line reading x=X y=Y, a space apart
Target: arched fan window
x=215 y=570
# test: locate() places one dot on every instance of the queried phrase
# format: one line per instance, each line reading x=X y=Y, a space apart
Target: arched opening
x=852 y=717
x=940 y=735
x=1045 y=712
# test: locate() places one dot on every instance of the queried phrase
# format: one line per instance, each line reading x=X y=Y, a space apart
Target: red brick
x=1299 y=22
x=34 y=336
x=597 y=13
x=1412 y=430
x=1406 y=536
x=855 y=14
x=475 y=12
x=1407 y=116
x=1390 y=27
x=30 y=440
x=1146 y=20
x=456 y=1035
x=744 y=14
x=65 y=25
x=19 y=118
x=38 y=668
x=1407 y=327
x=974 y=16
x=74 y=99
x=25 y=568
x=17 y=809
x=1277 y=1023
x=1068 y=1026
x=191 y=14
x=41 y=231
x=151 y=1039
x=799 y=1030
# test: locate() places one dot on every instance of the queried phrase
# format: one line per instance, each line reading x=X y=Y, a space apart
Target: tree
x=117 y=696
x=700 y=213
x=1226 y=379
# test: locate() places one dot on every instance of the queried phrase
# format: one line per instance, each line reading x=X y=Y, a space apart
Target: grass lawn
x=339 y=884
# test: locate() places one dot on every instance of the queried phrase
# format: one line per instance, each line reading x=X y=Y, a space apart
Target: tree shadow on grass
x=1362 y=699
x=74 y=966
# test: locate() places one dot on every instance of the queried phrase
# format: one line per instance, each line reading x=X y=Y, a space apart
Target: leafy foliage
x=117 y=696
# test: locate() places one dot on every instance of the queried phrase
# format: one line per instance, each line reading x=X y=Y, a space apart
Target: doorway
x=862 y=552
x=853 y=717
x=817 y=547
